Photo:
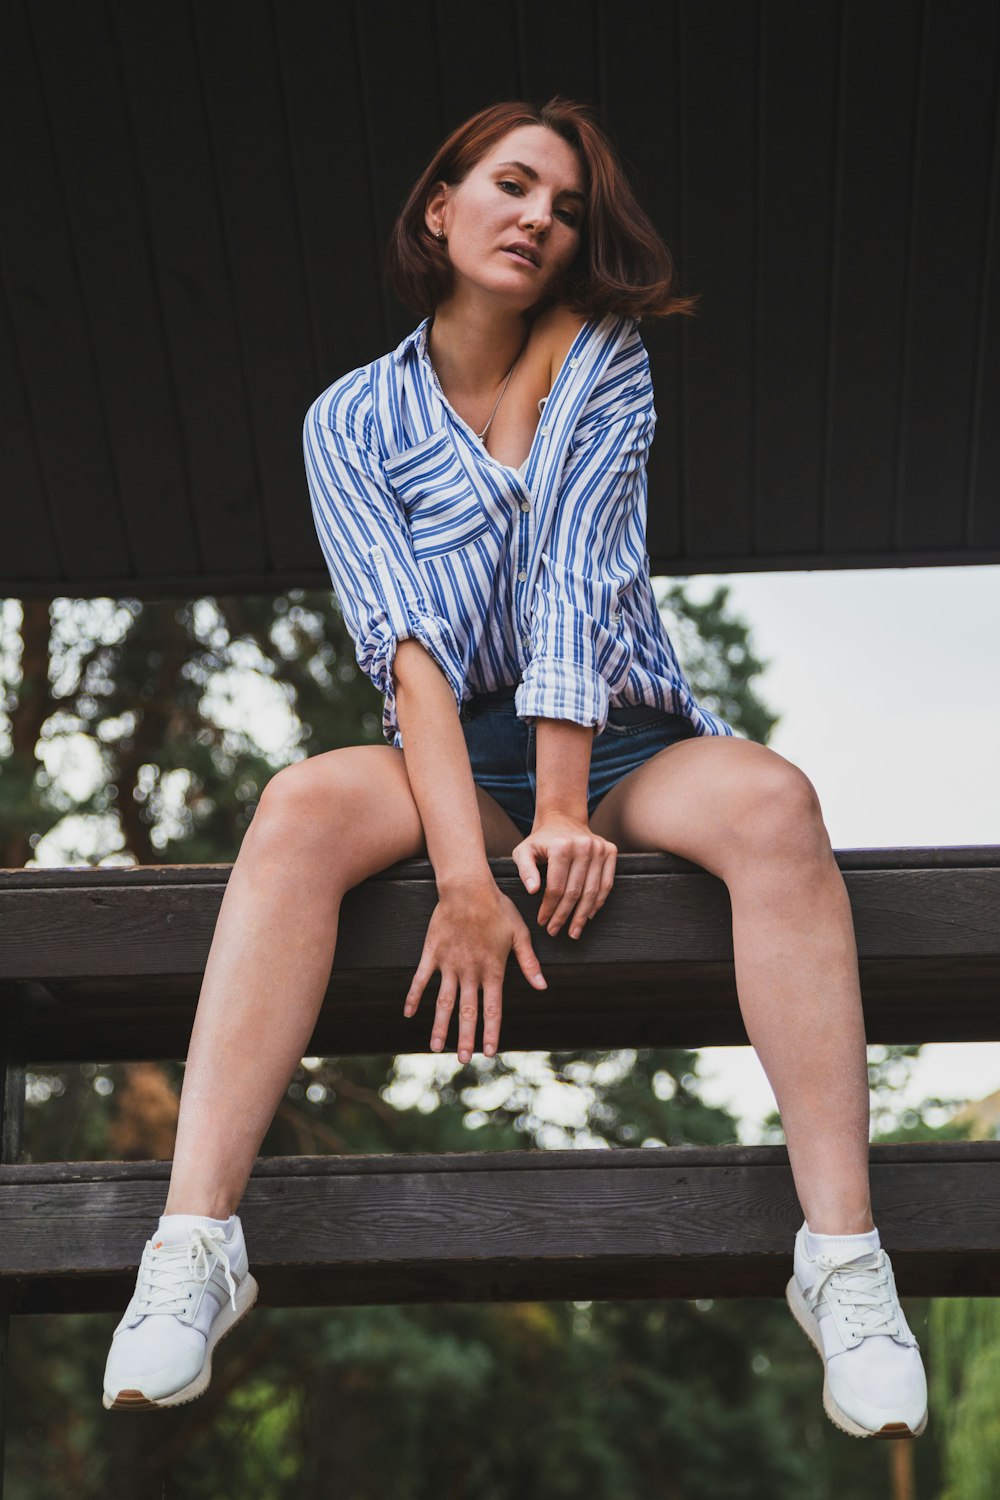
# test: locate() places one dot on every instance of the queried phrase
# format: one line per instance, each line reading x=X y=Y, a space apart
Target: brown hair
x=622 y=266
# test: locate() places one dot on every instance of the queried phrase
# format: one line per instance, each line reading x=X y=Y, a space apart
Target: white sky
x=888 y=687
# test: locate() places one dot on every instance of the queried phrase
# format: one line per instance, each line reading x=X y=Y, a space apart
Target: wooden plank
x=650 y=69
x=52 y=340
x=112 y=959
x=797 y=115
x=108 y=226
x=209 y=421
x=949 y=224
x=492 y=1226
x=325 y=106
x=260 y=202
x=121 y=925
x=870 y=240
x=719 y=184
x=692 y=1005
x=12 y=1080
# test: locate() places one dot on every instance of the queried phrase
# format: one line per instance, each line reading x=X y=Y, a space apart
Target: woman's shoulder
x=348 y=405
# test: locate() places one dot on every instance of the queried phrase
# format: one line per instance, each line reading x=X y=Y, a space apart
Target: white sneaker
x=874 y=1384
x=189 y=1293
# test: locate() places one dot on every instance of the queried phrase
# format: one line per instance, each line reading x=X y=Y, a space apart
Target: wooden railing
x=106 y=964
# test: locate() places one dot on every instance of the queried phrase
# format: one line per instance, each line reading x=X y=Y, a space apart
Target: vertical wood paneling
x=878 y=99
x=341 y=251
x=263 y=237
x=948 y=227
x=561 y=49
x=795 y=222
x=402 y=92
x=53 y=337
x=719 y=50
x=29 y=545
x=196 y=202
x=984 y=429
x=479 y=63
x=653 y=156
x=149 y=498
x=176 y=166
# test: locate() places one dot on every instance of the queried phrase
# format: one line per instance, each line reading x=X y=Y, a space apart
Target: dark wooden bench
x=106 y=965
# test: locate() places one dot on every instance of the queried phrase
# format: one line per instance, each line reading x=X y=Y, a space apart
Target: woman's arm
x=562 y=768
x=369 y=553
x=474 y=925
x=440 y=774
x=409 y=651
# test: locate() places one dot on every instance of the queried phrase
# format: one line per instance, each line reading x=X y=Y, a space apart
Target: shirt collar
x=416 y=340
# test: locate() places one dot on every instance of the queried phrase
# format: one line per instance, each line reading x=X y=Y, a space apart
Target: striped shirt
x=537 y=577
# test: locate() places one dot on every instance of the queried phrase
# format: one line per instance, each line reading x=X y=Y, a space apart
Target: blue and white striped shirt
x=535 y=577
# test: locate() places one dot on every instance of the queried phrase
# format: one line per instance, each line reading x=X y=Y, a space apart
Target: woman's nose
x=536 y=217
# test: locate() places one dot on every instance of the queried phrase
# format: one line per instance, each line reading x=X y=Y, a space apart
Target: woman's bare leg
x=273 y=949
x=749 y=816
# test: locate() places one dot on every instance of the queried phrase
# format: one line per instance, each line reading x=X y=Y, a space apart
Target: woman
x=480 y=496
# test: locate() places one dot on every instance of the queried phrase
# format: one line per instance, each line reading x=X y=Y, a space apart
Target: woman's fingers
x=492 y=1006
x=468 y=1012
x=418 y=984
x=569 y=889
x=442 y=1011
x=589 y=877
x=591 y=898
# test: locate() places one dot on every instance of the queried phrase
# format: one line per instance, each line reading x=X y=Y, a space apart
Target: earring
x=440 y=234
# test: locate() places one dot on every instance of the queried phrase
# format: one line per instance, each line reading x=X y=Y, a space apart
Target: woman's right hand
x=469 y=938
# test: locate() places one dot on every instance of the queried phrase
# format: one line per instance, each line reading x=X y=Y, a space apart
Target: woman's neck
x=473 y=348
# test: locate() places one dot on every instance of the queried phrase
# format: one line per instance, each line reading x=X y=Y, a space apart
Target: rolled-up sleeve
x=367 y=548
x=581 y=644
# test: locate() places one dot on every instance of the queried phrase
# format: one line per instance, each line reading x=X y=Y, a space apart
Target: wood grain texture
x=108 y=962
x=498 y=1225
x=196 y=219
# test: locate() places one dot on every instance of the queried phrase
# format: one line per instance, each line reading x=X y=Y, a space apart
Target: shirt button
x=526 y=640
x=573 y=363
x=525 y=504
x=522 y=575
x=545 y=432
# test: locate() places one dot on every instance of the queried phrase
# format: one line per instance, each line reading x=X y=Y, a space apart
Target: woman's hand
x=469 y=938
x=581 y=869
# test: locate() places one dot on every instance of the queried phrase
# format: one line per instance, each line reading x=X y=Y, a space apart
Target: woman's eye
x=566 y=214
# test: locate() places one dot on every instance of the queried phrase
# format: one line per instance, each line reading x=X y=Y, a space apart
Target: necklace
x=481 y=435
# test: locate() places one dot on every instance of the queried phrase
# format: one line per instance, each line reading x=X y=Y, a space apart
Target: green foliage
x=706 y=1400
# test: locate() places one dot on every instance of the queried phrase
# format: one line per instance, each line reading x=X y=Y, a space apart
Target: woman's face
x=528 y=189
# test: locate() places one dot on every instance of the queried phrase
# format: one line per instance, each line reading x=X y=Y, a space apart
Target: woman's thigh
x=717 y=800
x=360 y=813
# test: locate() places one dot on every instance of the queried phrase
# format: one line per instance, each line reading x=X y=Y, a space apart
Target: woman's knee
x=780 y=813
x=300 y=801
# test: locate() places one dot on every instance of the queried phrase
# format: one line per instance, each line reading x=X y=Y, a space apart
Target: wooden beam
x=493 y=1226
x=111 y=960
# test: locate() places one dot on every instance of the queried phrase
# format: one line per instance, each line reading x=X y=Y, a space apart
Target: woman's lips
x=522 y=260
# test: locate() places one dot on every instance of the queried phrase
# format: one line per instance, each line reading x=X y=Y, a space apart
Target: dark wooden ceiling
x=196 y=198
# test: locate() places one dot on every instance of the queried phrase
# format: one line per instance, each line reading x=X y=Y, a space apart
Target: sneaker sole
x=810 y=1327
x=225 y=1322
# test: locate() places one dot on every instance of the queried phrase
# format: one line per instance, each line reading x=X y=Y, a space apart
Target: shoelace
x=865 y=1289
x=164 y=1272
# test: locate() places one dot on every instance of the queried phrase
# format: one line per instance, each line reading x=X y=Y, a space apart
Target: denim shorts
x=502 y=749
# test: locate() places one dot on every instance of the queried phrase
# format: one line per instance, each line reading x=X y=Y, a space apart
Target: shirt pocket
x=442 y=508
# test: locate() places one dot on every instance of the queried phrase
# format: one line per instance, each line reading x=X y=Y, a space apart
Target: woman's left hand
x=580 y=870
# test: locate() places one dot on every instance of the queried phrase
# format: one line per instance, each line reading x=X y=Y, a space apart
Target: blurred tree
x=676 y=1399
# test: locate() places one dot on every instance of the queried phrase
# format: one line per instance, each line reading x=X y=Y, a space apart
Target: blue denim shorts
x=502 y=749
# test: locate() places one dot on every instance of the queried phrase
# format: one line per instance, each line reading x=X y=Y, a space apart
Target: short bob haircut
x=622 y=267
